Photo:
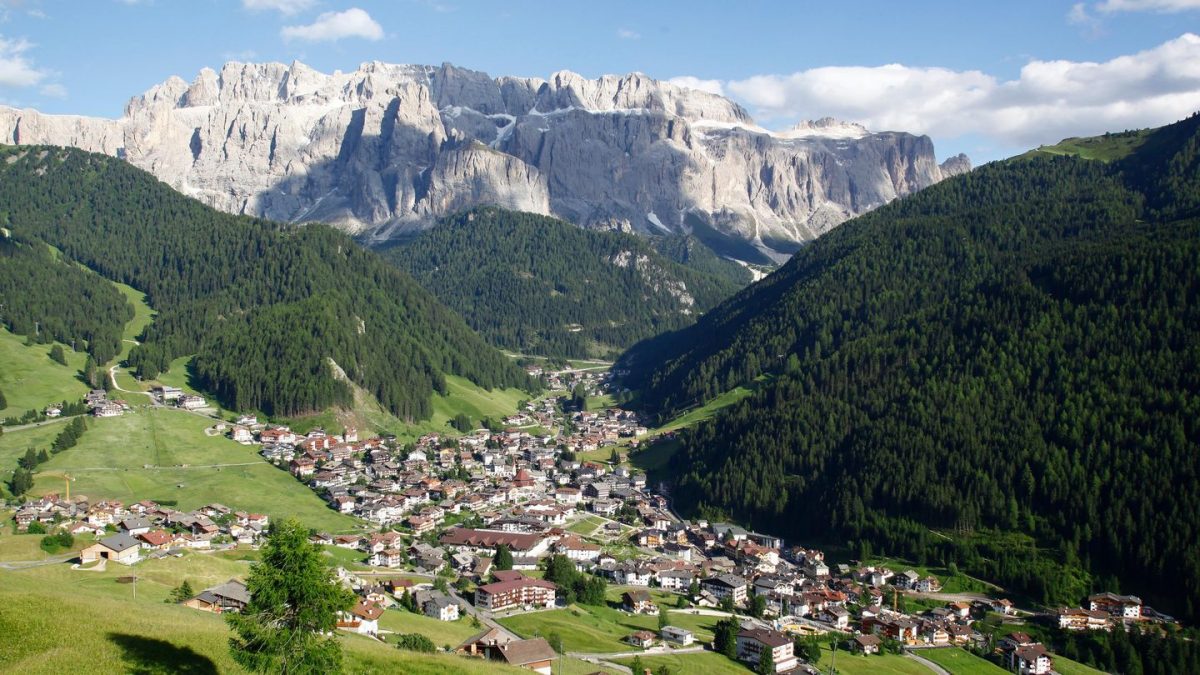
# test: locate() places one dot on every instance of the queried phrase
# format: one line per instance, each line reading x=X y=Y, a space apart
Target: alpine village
x=411 y=369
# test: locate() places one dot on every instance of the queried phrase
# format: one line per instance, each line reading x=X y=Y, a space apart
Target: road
x=927 y=663
x=26 y=564
x=112 y=375
x=56 y=420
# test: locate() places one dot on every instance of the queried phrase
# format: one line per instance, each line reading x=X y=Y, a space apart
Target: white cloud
x=627 y=34
x=1080 y=16
x=16 y=70
x=288 y=7
x=711 y=86
x=1165 y=6
x=331 y=26
x=1049 y=100
x=53 y=90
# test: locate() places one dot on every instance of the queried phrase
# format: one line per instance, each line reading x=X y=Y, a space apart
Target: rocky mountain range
x=388 y=149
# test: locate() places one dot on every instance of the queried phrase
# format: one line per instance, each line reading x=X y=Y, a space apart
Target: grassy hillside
x=164 y=454
x=541 y=285
x=1106 y=148
x=30 y=380
x=111 y=631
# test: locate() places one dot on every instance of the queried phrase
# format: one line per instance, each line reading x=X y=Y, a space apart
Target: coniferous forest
x=540 y=285
x=271 y=312
x=1010 y=356
x=35 y=284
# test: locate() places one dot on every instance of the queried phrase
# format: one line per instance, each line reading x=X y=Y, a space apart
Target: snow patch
x=653 y=218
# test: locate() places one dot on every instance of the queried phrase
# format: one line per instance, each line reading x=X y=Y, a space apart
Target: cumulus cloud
x=711 y=86
x=1049 y=100
x=1164 y=6
x=332 y=26
x=16 y=70
x=627 y=34
x=288 y=7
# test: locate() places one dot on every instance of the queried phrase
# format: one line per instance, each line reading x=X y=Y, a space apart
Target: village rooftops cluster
x=129 y=533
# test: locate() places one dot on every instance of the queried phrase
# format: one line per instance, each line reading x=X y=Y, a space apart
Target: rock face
x=389 y=148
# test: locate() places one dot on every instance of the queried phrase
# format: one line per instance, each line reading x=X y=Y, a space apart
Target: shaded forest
x=1011 y=355
x=536 y=284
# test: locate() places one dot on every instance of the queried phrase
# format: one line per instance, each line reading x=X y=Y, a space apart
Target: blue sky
x=986 y=78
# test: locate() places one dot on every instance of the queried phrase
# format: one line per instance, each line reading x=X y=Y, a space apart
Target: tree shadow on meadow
x=151 y=656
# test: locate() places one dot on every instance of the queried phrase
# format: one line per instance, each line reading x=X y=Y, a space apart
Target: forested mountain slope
x=1015 y=350
x=538 y=284
x=263 y=306
x=33 y=286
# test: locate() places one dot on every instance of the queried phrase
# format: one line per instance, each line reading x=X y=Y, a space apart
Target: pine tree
x=21 y=481
x=294 y=599
x=3 y=401
x=663 y=619
x=57 y=355
x=504 y=558
x=183 y=592
x=766 y=664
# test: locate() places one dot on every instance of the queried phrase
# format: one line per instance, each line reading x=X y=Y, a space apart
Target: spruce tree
x=288 y=625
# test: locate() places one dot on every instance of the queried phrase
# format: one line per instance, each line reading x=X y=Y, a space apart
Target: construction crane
x=67 y=478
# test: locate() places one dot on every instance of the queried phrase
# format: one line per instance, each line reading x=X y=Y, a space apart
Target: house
x=474 y=541
x=157 y=540
x=192 y=402
x=363 y=618
x=906 y=580
x=436 y=605
x=638 y=602
x=837 y=616
x=241 y=435
x=1030 y=660
x=726 y=585
x=535 y=655
x=136 y=526
x=122 y=548
x=642 y=638
x=866 y=644
x=512 y=593
x=752 y=642
x=1003 y=606
x=231 y=596
x=678 y=636
x=1074 y=618
x=483 y=643
x=928 y=585
x=388 y=557
x=1120 y=606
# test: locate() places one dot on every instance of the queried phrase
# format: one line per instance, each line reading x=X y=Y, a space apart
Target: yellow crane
x=67 y=478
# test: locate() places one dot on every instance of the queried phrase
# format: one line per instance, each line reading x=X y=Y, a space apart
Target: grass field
x=1105 y=148
x=586 y=526
x=848 y=663
x=702 y=663
x=56 y=620
x=443 y=633
x=1066 y=666
x=142 y=317
x=163 y=454
x=707 y=410
x=29 y=379
x=960 y=662
x=601 y=629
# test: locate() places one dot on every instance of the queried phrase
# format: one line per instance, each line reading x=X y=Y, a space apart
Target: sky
x=990 y=78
